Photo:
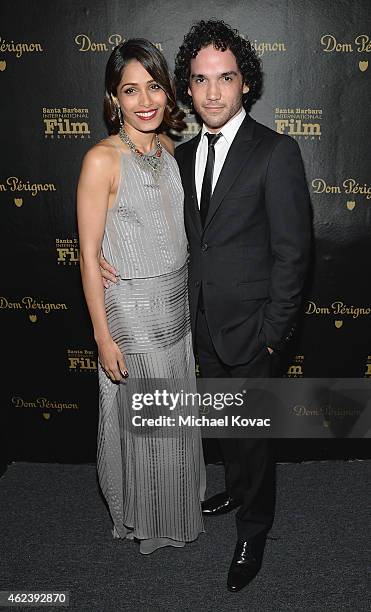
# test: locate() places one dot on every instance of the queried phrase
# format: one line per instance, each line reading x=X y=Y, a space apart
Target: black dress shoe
x=219 y=504
x=246 y=562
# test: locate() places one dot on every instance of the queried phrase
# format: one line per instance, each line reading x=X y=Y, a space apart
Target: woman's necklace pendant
x=154 y=162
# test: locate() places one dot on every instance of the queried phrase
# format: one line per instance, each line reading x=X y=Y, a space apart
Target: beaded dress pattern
x=152 y=477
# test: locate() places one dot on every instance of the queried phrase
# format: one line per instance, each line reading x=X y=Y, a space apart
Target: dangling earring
x=120 y=116
x=118 y=111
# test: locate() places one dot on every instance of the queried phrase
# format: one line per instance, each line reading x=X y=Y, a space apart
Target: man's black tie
x=208 y=176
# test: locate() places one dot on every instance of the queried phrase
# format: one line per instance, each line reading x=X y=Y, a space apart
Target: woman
x=130 y=206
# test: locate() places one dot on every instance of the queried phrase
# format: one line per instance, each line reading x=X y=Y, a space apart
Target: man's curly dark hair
x=222 y=37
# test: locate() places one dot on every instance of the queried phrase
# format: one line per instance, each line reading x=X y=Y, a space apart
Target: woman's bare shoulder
x=102 y=155
x=167 y=143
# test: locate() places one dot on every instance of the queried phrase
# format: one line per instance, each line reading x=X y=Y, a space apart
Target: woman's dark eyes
x=154 y=86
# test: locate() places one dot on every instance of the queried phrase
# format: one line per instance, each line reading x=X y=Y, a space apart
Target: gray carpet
x=55 y=534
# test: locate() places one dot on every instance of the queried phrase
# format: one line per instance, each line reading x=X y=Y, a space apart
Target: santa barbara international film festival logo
x=20 y=187
x=296 y=367
x=32 y=306
x=43 y=406
x=66 y=122
x=367 y=373
x=81 y=360
x=301 y=123
x=86 y=43
x=16 y=49
x=67 y=250
x=349 y=187
x=360 y=44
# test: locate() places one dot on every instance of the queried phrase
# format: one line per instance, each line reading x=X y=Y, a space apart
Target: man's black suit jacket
x=251 y=256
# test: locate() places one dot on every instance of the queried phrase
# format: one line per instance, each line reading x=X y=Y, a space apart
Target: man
x=247 y=217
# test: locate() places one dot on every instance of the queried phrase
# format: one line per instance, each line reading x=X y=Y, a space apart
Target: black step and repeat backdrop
x=316 y=59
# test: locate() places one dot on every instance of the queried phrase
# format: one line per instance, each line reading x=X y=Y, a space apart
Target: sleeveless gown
x=152 y=478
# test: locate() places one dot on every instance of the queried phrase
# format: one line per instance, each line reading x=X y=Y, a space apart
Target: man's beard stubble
x=216 y=122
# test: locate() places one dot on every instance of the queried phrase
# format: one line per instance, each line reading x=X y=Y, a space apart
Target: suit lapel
x=190 y=200
x=240 y=150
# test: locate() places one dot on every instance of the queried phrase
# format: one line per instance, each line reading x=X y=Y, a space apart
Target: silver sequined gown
x=152 y=478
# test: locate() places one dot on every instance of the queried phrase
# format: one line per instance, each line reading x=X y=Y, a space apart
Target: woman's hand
x=107 y=271
x=112 y=360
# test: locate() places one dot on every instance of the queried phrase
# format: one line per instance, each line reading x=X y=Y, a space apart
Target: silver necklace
x=155 y=161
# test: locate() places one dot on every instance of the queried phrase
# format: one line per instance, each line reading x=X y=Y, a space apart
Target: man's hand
x=270 y=350
x=108 y=272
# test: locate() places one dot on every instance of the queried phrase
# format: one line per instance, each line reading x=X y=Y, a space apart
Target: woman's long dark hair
x=154 y=62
